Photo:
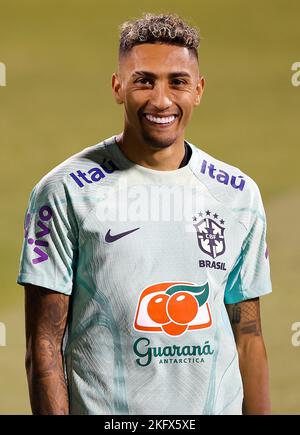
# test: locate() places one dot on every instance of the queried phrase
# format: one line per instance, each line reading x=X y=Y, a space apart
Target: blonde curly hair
x=163 y=28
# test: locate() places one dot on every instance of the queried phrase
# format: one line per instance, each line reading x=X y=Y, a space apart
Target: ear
x=199 y=90
x=117 y=88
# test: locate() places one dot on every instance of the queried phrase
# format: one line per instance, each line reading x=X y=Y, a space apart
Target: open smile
x=160 y=121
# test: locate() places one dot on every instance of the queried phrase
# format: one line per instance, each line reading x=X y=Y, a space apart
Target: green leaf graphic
x=201 y=292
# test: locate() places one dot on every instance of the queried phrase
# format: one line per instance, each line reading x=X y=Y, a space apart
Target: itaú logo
x=173 y=308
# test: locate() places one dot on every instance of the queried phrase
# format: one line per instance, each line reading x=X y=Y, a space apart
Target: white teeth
x=160 y=119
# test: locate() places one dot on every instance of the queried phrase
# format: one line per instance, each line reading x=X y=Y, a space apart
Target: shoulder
x=80 y=173
x=225 y=182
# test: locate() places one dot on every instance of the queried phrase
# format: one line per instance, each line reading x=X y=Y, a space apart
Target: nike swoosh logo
x=109 y=238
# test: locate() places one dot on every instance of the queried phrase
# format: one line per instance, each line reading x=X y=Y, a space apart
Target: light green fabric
x=121 y=358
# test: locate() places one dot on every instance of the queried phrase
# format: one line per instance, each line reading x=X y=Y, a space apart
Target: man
x=126 y=298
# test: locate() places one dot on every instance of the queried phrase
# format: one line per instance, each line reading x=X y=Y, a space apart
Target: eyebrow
x=171 y=75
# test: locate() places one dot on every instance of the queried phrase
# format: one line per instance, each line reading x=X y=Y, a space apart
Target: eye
x=178 y=82
x=143 y=81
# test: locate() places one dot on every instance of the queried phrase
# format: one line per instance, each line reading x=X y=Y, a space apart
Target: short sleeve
x=49 y=251
x=250 y=276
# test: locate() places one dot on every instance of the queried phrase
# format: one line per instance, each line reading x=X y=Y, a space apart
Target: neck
x=139 y=152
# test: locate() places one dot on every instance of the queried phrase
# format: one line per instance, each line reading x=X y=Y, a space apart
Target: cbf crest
x=210 y=233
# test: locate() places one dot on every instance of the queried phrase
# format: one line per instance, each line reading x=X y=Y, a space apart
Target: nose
x=160 y=97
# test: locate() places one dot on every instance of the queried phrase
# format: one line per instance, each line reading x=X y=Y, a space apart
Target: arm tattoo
x=245 y=317
x=236 y=313
x=46 y=319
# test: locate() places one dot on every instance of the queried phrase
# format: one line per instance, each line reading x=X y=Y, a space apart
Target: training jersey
x=150 y=259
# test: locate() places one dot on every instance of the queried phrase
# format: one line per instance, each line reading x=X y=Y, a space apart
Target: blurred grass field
x=60 y=56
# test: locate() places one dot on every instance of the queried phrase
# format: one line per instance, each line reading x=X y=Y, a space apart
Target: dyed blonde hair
x=163 y=29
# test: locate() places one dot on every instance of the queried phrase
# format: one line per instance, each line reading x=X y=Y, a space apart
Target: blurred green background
x=60 y=56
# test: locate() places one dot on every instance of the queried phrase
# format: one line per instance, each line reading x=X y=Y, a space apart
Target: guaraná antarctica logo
x=173 y=308
x=45 y=215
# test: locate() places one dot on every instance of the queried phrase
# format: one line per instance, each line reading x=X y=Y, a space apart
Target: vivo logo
x=40 y=243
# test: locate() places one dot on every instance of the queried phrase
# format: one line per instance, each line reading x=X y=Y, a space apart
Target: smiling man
x=160 y=86
x=144 y=257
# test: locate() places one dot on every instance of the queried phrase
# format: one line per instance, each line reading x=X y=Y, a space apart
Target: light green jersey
x=150 y=259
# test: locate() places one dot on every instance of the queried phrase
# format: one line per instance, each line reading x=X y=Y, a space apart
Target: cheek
x=134 y=101
x=187 y=105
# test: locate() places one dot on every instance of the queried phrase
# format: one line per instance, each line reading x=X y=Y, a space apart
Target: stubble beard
x=153 y=141
x=158 y=143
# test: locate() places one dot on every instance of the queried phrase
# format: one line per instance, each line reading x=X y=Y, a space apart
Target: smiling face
x=159 y=85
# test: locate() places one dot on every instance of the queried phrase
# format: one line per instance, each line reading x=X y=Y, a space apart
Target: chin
x=158 y=142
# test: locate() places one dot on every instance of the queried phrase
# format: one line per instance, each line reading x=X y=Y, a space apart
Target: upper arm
x=249 y=277
x=49 y=252
x=46 y=314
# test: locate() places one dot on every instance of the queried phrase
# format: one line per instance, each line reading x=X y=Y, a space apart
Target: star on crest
x=207 y=213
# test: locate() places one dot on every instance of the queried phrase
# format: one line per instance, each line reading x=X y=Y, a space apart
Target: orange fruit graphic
x=174 y=329
x=171 y=310
x=157 y=309
x=182 y=307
